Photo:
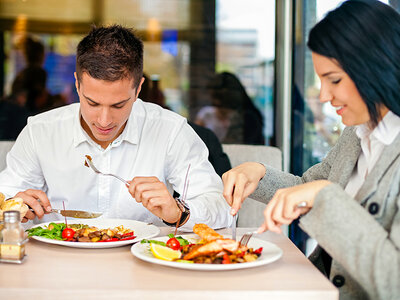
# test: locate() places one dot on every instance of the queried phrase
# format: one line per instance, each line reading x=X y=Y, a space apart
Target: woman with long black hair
x=352 y=197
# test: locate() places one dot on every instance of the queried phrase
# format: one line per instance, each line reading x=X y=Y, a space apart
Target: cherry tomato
x=174 y=244
x=258 y=251
x=68 y=234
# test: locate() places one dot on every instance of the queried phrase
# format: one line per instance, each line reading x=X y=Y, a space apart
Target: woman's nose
x=325 y=95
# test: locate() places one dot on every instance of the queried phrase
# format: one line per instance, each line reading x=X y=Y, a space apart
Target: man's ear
x=76 y=82
x=139 y=88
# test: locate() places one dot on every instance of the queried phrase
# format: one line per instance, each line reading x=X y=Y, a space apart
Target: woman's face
x=338 y=89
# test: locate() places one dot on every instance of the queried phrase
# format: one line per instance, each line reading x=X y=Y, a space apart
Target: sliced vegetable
x=258 y=251
x=68 y=234
x=174 y=244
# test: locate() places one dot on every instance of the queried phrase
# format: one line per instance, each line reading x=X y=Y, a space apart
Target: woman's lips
x=339 y=110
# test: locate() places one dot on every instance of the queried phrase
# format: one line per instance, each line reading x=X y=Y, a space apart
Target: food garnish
x=68 y=234
x=174 y=244
x=212 y=248
x=164 y=253
x=82 y=233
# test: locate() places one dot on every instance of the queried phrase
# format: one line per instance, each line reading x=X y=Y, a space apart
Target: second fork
x=89 y=164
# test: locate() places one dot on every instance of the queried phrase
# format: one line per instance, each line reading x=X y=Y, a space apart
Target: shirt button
x=373 y=208
x=338 y=281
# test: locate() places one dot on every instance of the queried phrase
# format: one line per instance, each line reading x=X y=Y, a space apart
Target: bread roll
x=2 y=198
x=13 y=204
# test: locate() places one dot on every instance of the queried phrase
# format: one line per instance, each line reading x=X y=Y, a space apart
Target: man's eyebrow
x=114 y=104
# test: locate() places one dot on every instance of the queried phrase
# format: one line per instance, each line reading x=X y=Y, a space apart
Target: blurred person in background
x=219 y=160
x=351 y=198
x=232 y=116
x=33 y=79
x=13 y=113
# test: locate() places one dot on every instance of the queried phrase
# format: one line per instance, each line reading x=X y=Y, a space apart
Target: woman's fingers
x=240 y=182
x=228 y=180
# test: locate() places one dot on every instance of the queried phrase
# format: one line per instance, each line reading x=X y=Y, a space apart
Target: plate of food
x=93 y=233
x=206 y=250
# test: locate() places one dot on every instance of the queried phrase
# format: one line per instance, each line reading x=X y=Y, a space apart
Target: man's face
x=105 y=106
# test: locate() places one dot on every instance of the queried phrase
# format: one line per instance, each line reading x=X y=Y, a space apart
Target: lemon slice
x=164 y=253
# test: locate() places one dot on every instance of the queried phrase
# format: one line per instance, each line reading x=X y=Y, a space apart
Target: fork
x=247 y=236
x=89 y=164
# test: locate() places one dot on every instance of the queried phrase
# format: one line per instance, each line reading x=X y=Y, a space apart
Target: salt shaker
x=12 y=238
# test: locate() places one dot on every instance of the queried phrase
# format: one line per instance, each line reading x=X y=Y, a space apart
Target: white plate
x=270 y=253
x=141 y=231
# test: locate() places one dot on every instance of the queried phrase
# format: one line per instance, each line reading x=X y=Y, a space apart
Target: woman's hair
x=110 y=53
x=363 y=37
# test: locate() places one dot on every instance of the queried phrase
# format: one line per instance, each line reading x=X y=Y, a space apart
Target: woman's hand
x=240 y=182
x=283 y=207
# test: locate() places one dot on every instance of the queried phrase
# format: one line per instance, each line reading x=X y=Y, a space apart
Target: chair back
x=251 y=212
x=5 y=147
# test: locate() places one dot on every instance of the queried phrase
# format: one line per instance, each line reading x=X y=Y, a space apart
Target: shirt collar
x=79 y=135
x=385 y=132
x=130 y=133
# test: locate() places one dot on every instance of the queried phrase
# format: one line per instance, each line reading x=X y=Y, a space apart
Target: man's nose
x=105 y=118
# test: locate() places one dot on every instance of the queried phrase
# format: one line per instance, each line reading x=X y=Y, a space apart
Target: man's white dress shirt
x=372 y=144
x=49 y=155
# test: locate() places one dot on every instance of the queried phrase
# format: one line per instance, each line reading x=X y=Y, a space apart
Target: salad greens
x=180 y=239
x=144 y=241
x=53 y=230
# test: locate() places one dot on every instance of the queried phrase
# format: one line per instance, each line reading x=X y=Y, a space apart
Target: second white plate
x=141 y=231
x=270 y=253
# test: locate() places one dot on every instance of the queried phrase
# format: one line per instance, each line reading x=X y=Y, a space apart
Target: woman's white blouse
x=372 y=144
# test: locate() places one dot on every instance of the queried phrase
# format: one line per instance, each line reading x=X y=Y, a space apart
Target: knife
x=76 y=213
x=234 y=227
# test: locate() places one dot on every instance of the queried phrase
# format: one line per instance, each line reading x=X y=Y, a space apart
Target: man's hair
x=110 y=53
x=363 y=37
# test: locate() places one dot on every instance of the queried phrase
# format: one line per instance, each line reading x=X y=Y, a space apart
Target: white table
x=57 y=272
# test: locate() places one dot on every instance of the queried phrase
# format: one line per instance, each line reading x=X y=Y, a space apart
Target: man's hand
x=37 y=200
x=240 y=182
x=154 y=195
x=283 y=207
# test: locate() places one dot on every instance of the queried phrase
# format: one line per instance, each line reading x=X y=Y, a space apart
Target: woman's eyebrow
x=329 y=73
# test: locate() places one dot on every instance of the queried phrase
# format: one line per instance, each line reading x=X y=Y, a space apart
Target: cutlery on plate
x=80 y=214
x=90 y=165
x=234 y=227
x=247 y=236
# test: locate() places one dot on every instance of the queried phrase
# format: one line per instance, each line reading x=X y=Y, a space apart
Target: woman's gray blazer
x=361 y=234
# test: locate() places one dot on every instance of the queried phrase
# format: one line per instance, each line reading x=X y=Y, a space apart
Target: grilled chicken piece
x=213 y=247
x=206 y=233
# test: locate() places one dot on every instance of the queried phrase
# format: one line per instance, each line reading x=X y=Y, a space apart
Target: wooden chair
x=251 y=213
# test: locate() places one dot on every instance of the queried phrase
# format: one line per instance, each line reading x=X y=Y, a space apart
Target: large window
x=209 y=60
